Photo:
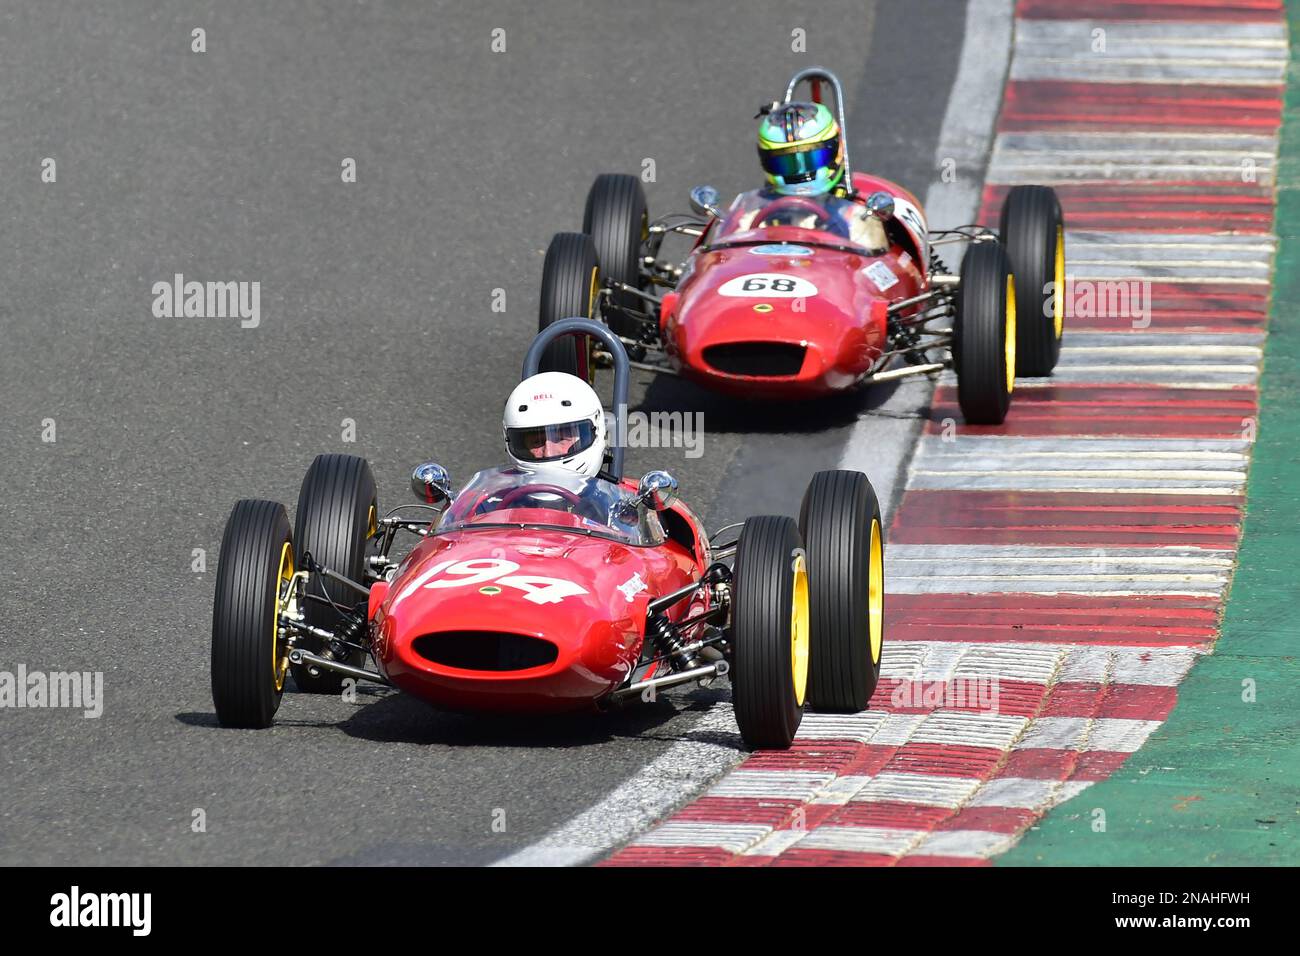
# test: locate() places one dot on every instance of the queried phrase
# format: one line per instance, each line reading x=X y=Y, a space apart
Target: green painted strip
x=1219 y=783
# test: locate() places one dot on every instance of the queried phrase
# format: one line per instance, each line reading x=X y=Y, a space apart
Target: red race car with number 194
x=543 y=589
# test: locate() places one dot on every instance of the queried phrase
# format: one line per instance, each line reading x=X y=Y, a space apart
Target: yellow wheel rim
x=372 y=524
x=1010 y=346
x=593 y=296
x=280 y=652
x=876 y=593
x=1058 y=297
x=799 y=630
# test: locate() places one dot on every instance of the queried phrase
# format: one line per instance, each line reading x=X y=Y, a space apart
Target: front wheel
x=840 y=521
x=1033 y=234
x=616 y=219
x=337 y=516
x=570 y=289
x=984 y=335
x=249 y=654
x=769 y=632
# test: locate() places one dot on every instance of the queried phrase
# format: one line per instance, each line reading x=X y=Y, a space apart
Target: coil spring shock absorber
x=910 y=335
x=660 y=630
x=348 y=636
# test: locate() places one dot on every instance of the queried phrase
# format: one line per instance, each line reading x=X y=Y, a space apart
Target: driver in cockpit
x=555 y=422
x=800 y=149
x=554 y=427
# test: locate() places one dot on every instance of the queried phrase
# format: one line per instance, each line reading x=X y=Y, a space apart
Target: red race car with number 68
x=810 y=286
x=552 y=583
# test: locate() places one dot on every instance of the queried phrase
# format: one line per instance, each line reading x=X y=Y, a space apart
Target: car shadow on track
x=385 y=716
x=668 y=393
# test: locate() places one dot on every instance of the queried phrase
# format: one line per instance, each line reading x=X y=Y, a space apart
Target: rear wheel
x=840 y=521
x=249 y=655
x=570 y=289
x=337 y=515
x=984 y=335
x=1033 y=234
x=769 y=632
x=616 y=219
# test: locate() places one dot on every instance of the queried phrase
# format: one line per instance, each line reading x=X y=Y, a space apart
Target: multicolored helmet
x=799 y=147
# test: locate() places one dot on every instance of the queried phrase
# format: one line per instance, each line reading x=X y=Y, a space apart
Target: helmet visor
x=800 y=164
x=550 y=442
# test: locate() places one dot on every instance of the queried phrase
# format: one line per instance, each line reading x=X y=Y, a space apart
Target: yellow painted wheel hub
x=1010 y=346
x=279 y=650
x=588 y=343
x=799 y=630
x=1058 y=298
x=876 y=593
x=593 y=293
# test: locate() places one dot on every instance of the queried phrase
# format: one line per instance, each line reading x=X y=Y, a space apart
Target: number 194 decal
x=768 y=285
x=455 y=574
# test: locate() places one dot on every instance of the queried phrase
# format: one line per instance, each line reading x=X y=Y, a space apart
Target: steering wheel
x=514 y=494
x=796 y=204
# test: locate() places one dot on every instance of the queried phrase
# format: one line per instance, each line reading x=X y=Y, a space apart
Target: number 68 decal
x=768 y=285
x=456 y=574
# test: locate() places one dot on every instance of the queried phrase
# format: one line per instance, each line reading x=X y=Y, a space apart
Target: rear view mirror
x=881 y=205
x=658 y=490
x=431 y=484
x=704 y=201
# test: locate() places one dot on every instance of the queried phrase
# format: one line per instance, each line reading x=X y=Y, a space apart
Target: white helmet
x=555 y=420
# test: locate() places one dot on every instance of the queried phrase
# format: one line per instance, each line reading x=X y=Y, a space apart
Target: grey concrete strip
x=1070 y=36
x=1156 y=52
x=1143 y=483
x=1089 y=144
x=1237 y=245
x=982 y=569
x=1158 y=353
x=960 y=446
x=1120 y=157
x=1143 y=337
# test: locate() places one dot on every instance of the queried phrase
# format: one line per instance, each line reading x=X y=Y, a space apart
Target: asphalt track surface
x=375 y=307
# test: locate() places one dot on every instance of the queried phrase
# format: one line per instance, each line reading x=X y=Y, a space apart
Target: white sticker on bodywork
x=881 y=275
x=632 y=587
x=768 y=285
x=914 y=222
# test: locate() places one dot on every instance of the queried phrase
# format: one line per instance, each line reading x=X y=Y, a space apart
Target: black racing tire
x=844 y=541
x=249 y=658
x=570 y=289
x=337 y=514
x=984 y=335
x=1033 y=234
x=769 y=632
x=616 y=219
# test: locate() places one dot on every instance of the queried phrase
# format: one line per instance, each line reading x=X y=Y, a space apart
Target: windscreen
x=552 y=498
x=752 y=213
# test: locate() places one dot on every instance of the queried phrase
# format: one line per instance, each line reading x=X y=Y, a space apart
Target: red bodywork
x=750 y=345
x=595 y=637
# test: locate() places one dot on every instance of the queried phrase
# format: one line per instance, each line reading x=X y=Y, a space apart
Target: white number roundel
x=768 y=285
